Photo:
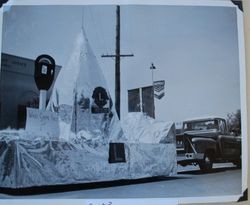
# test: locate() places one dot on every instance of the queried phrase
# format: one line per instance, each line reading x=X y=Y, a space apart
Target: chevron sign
x=159 y=89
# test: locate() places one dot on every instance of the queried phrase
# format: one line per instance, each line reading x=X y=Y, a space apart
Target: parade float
x=79 y=138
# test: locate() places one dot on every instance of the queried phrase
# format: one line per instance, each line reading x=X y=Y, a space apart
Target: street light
x=152 y=67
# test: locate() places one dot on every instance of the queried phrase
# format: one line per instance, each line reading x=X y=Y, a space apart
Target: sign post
x=41 y=122
x=42 y=99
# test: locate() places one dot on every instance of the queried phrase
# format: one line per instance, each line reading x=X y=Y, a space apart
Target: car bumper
x=189 y=158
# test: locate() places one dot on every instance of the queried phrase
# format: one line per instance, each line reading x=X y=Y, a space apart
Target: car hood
x=203 y=133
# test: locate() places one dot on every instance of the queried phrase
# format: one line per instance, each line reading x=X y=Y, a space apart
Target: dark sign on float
x=101 y=99
x=44 y=72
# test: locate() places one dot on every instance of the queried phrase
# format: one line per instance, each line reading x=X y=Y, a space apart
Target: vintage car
x=206 y=141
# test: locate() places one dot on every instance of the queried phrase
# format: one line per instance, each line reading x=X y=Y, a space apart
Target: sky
x=194 y=49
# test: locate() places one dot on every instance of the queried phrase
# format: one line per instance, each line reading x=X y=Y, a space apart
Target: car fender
x=202 y=145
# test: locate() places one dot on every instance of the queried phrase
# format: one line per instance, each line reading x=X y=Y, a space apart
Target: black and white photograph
x=123 y=100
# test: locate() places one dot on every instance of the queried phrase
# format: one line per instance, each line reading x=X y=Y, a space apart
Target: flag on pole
x=159 y=89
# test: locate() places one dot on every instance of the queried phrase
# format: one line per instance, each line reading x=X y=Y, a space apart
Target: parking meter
x=44 y=76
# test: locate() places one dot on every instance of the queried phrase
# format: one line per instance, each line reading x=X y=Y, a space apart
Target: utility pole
x=117 y=63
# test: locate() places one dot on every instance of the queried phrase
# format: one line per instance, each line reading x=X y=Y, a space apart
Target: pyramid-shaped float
x=81 y=98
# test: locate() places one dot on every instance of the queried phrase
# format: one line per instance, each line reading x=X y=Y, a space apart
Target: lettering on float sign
x=42 y=123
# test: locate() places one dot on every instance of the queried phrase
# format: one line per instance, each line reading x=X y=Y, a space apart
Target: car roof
x=203 y=119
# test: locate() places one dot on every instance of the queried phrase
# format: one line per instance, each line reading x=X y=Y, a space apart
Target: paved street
x=224 y=180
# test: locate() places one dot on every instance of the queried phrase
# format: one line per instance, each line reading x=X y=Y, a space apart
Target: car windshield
x=201 y=125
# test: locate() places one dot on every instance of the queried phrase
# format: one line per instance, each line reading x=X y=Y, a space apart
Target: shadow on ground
x=214 y=170
x=97 y=185
x=86 y=186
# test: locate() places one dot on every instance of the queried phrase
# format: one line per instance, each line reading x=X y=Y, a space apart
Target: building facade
x=18 y=90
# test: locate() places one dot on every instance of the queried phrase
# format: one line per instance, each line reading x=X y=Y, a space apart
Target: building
x=18 y=90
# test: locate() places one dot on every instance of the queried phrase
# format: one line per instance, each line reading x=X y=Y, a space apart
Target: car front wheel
x=237 y=163
x=206 y=164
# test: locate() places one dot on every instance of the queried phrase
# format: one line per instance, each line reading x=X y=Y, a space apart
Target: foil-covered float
x=91 y=145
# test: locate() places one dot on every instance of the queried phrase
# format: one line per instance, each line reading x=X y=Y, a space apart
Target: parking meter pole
x=42 y=99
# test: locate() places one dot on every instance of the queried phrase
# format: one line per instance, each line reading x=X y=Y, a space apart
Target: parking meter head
x=44 y=71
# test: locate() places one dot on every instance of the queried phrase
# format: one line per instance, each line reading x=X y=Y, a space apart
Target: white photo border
x=243 y=82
